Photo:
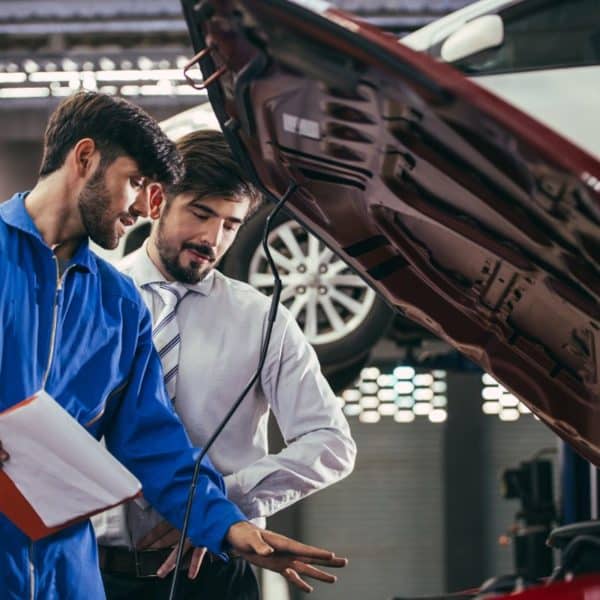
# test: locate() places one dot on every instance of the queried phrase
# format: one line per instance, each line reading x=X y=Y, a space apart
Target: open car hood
x=469 y=217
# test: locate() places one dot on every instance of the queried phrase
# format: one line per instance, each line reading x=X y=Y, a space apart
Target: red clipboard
x=21 y=514
x=20 y=509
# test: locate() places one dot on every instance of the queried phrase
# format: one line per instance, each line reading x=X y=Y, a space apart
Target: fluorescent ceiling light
x=13 y=77
x=25 y=92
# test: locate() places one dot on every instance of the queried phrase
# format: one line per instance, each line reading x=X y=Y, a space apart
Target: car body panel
x=582 y=588
x=468 y=216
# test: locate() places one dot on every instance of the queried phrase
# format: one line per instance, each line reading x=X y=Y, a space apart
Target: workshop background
x=423 y=511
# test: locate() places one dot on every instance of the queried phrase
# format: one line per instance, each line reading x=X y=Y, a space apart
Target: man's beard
x=94 y=203
x=169 y=257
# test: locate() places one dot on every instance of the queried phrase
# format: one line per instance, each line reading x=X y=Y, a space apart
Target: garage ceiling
x=42 y=22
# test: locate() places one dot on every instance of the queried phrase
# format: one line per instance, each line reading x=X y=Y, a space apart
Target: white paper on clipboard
x=61 y=470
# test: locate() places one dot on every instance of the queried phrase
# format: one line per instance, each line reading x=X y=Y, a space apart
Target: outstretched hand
x=261 y=547
x=284 y=555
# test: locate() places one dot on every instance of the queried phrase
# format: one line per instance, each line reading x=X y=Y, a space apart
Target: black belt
x=140 y=563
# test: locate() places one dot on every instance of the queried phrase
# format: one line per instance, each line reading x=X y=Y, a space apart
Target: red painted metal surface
x=468 y=216
x=581 y=588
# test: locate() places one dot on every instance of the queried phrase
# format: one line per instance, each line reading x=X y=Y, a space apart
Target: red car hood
x=468 y=216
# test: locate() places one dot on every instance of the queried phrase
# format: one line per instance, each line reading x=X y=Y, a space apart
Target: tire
x=312 y=275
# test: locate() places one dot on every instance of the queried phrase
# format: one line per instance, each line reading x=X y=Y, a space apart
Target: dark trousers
x=217 y=580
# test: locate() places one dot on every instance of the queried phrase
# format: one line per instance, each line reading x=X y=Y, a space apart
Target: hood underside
x=469 y=217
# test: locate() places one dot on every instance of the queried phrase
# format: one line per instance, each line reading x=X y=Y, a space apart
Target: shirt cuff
x=232 y=487
x=236 y=494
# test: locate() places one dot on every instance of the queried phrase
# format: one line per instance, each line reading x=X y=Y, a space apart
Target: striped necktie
x=166 y=331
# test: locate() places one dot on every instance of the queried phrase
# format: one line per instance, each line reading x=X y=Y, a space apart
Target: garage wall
x=387 y=516
x=19 y=164
x=422 y=512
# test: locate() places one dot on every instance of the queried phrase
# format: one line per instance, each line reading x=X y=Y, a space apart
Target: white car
x=543 y=57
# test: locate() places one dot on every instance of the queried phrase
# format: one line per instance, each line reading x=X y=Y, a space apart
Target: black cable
x=263 y=355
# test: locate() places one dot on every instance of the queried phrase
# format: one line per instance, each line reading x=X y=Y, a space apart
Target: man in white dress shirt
x=215 y=326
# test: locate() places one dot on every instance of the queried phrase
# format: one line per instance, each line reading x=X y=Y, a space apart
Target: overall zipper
x=59 y=283
x=31 y=573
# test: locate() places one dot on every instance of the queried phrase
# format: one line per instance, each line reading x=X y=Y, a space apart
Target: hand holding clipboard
x=4 y=456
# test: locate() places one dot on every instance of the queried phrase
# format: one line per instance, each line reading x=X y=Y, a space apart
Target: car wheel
x=339 y=313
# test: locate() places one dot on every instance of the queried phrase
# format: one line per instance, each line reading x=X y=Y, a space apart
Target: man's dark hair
x=118 y=127
x=211 y=170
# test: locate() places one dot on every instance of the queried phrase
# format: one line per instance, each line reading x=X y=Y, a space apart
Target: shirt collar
x=14 y=213
x=145 y=272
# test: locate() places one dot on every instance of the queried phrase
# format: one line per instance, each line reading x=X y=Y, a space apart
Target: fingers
x=196 y=562
x=295 y=579
x=283 y=555
x=281 y=562
x=313 y=572
x=169 y=563
x=337 y=562
x=259 y=546
x=4 y=456
x=163 y=535
x=282 y=543
x=169 y=540
x=245 y=537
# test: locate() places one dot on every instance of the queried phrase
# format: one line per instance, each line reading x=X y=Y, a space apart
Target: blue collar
x=13 y=213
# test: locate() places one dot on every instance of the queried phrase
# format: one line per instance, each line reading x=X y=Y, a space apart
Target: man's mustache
x=202 y=249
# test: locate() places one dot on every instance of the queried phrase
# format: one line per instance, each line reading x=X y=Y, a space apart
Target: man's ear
x=156 y=197
x=86 y=157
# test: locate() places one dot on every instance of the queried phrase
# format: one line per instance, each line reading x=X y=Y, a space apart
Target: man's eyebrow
x=213 y=212
x=136 y=174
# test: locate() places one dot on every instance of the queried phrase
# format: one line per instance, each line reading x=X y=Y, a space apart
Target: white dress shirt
x=222 y=323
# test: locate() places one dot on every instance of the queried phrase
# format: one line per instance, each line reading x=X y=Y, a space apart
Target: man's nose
x=141 y=205
x=214 y=232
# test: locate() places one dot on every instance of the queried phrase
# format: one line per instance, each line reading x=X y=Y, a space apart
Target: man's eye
x=231 y=226
x=137 y=182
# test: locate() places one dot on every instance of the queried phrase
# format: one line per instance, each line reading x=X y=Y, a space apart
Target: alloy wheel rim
x=327 y=299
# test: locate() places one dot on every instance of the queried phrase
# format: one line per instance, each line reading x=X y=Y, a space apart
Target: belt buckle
x=139 y=571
